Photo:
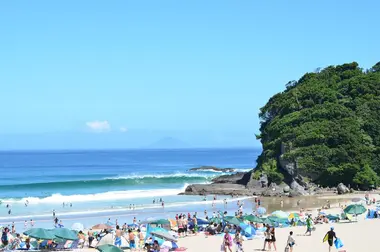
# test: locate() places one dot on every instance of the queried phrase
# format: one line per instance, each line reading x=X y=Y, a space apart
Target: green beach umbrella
x=157 y=221
x=355 y=209
x=40 y=233
x=278 y=220
x=215 y=220
x=65 y=234
x=267 y=221
x=108 y=248
x=253 y=218
x=232 y=220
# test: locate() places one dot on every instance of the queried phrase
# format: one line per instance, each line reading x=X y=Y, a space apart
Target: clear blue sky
x=79 y=74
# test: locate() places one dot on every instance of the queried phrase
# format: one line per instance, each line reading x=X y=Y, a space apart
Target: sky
x=125 y=74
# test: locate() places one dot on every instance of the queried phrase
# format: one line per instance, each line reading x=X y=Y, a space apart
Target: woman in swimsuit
x=227 y=241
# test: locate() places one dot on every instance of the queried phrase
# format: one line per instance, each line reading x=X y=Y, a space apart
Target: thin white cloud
x=123 y=129
x=99 y=126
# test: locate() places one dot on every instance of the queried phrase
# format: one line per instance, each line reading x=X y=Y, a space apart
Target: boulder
x=217 y=189
x=342 y=189
x=286 y=189
x=297 y=189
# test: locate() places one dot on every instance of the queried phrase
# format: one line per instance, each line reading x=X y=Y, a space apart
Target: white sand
x=360 y=236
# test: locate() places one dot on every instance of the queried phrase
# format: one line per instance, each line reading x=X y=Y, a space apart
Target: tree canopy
x=328 y=124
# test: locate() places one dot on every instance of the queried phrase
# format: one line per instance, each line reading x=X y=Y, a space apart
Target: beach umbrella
x=163 y=235
x=40 y=233
x=355 y=209
x=77 y=227
x=156 y=221
x=232 y=220
x=253 y=218
x=215 y=220
x=280 y=214
x=102 y=226
x=261 y=210
x=294 y=216
x=65 y=233
x=267 y=221
x=108 y=248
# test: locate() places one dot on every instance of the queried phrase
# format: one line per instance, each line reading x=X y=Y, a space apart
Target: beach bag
x=287 y=249
x=338 y=243
x=222 y=248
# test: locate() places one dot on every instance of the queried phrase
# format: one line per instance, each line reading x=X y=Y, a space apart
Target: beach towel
x=338 y=243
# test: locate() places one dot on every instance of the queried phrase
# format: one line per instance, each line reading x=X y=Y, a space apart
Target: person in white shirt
x=291 y=242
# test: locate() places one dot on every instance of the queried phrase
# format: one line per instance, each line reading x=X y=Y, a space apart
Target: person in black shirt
x=330 y=237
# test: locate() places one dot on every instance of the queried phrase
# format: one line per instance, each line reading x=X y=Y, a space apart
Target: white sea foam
x=106 y=196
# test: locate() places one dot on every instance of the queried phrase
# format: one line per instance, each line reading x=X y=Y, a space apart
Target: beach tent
x=247 y=230
x=110 y=239
x=108 y=248
x=77 y=227
x=156 y=221
x=40 y=233
x=65 y=233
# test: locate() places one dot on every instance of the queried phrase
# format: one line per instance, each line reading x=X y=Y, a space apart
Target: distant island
x=321 y=134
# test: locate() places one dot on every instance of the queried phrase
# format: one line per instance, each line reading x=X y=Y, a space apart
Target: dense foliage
x=328 y=124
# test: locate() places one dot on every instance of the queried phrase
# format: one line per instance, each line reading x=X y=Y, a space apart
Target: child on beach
x=290 y=243
x=268 y=238
x=239 y=241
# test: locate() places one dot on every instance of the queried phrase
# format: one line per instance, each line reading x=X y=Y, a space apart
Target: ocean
x=93 y=184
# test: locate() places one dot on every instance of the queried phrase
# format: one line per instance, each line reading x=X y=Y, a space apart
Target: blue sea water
x=77 y=183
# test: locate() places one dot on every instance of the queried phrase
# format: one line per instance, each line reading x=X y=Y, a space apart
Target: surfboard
x=325 y=238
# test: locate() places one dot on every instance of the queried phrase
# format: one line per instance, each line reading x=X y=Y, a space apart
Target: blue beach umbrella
x=261 y=210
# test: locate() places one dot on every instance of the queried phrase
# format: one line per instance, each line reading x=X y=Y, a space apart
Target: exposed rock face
x=212 y=168
x=342 y=189
x=222 y=189
x=236 y=178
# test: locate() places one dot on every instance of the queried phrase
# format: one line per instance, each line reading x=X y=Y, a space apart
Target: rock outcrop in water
x=213 y=169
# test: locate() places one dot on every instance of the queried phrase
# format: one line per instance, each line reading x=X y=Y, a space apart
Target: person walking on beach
x=330 y=237
x=273 y=237
x=291 y=242
x=195 y=221
x=268 y=238
x=141 y=239
x=239 y=241
x=227 y=241
x=132 y=242
x=118 y=237
x=309 y=223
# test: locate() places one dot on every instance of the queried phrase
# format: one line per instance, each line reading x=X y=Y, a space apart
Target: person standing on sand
x=239 y=241
x=330 y=237
x=118 y=237
x=90 y=237
x=268 y=238
x=309 y=223
x=227 y=241
x=132 y=242
x=291 y=242
x=195 y=221
x=273 y=237
x=141 y=239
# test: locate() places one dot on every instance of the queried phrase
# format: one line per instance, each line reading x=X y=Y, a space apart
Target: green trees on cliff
x=328 y=124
